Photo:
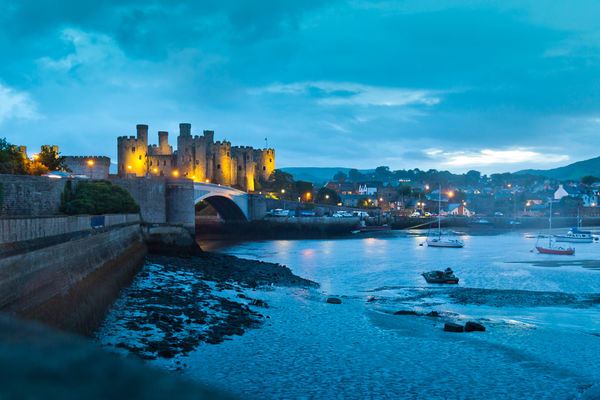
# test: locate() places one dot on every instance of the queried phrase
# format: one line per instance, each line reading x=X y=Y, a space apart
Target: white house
x=459 y=209
x=560 y=193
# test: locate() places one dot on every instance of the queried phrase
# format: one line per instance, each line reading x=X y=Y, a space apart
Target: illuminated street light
x=36 y=156
x=450 y=194
x=129 y=167
x=282 y=190
x=175 y=173
x=426 y=187
x=207 y=181
x=327 y=196
x=90 y=162
x=155 y=170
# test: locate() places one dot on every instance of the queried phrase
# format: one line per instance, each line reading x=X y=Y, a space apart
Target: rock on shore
x=175 y=303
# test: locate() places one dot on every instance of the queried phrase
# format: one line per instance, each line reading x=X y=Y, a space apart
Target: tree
x=589 y=179
x=97 y=198
x=473 y=177
x=354 y=175
x=403 y=191
x=11 y=160
x=52 y=159
x=382 y=173
x=340 y=176
x=303 y=190
x=280 y=180
x=328 y=196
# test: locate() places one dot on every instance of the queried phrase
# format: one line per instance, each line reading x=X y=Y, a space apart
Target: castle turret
x=222 y=163
x=132 y=152
x=243 y=156
x=185 y=129
x=265 y=163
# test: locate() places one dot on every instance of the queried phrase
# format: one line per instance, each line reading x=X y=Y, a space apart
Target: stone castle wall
x=95 y=167
x=198 y=158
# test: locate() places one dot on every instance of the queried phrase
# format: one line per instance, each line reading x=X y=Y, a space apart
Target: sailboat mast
x=440 y=211
x=550 y=226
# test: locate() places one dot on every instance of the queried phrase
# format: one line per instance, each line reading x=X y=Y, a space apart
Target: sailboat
x=576 y=234
x=552 y=248
x=439 y=241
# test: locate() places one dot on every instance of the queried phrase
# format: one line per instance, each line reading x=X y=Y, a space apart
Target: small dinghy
x=446 y=276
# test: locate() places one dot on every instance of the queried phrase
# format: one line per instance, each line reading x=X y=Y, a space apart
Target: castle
x=199 y=158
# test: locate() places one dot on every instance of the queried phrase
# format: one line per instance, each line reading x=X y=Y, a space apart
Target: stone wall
x=161 y=200
x=69 y=282
x=180 y=202
x=19 y=229
x=94 y=167
x=30 y=195
x=259 y=205
x=150 y=194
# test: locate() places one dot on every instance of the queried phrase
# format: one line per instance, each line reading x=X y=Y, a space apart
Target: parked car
x=278 y=212
x=415 y=214
x=305 y=213
x=342 y=214
x=498 y=214
x=361 y=214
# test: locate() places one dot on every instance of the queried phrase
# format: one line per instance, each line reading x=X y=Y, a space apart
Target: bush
x=97 y=198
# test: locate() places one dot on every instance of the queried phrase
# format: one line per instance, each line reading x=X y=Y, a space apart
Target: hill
x=316 y=175
x=573 y=171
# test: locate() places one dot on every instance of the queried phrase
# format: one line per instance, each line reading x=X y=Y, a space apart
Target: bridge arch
x=230 y=203
x=226 y=208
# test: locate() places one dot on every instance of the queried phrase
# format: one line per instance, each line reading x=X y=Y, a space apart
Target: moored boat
x=446 y=276
x=576 y=235
x=558 y=250
x=440 y=242
x=552 y=248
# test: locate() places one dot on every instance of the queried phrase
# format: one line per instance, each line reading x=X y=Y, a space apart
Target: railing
x=17 y=229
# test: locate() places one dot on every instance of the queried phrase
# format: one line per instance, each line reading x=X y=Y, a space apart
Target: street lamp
x=175 y=174
x=327 y=196
x=90 y=164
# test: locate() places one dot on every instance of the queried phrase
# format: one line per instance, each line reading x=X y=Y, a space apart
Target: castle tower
x=185 y=151
x=222 y=163
x=243 y=157
x=132 y=153
x=265 y=163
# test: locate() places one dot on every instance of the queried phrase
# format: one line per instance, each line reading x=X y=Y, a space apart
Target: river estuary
x=541 y=312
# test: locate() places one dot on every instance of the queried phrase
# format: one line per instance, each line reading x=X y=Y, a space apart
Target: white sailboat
x=552 y=248
x=439 y=241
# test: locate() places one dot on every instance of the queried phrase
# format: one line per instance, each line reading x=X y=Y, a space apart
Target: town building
x=199 y=158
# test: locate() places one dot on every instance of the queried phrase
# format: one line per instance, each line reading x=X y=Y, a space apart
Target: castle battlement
x=86 y=158
x=197 y=157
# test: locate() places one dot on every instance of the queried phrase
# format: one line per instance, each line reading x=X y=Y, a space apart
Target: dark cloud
x=358 y=81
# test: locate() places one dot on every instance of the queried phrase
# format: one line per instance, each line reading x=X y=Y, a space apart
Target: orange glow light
x=129 y=166
x=155 y=170
x=90 y=162
x=175 y=173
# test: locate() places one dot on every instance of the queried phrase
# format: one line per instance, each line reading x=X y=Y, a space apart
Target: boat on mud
x=576 y=235
x=447 y=276
x=552 y=248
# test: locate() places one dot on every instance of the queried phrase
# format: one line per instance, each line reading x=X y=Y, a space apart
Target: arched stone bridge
x=230 y=203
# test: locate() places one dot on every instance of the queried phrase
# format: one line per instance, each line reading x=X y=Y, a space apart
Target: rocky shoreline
x=177 y=302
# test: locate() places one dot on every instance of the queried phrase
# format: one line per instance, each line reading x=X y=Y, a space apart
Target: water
x=541 y=314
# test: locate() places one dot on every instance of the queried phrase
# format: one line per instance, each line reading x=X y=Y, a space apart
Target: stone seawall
x=68 y=283
x=161 y=200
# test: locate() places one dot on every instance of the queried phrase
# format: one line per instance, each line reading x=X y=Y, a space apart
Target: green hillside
x=316 y=175
x=573 y=171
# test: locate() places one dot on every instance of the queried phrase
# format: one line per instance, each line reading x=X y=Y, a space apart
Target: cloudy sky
x=329 y=83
